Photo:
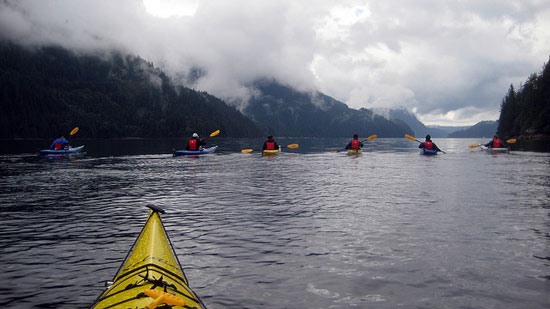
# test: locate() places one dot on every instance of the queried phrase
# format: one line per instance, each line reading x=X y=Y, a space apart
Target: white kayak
x=178 y=153
x=494 y=150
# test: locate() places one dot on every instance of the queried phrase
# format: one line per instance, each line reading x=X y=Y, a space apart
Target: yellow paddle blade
x=247 y=150
x=372 y=137
x=511 y=141
x=214 y=133
x=473 y=146
x=407 y=136
x=293 y=146
x=73 y=132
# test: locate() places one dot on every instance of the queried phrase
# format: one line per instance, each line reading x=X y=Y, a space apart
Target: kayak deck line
x=146 y=279
x=150 y=275
x=166 y=287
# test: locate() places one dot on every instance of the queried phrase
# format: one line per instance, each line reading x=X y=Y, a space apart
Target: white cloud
x=451 y=61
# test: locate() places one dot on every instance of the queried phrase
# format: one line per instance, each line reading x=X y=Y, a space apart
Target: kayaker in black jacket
x=355 y=143
x=428 y=144
x=270 y=144
x=195 y=143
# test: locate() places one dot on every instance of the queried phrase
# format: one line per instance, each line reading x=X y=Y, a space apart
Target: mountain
x=48 y=91
x=480 y=129
x=284 y=111
x=418 y=128
x=449 y=129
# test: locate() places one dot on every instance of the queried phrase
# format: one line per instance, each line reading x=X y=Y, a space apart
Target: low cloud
x=436 y=57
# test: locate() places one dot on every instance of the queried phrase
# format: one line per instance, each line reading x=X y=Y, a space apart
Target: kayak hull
x=427 y=152
x=151 y=264
x=355 y=151
x=71 y=150
x=208 y=150
x=496 y=150
x=271 y=152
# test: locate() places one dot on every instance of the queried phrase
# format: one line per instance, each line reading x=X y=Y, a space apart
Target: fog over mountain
x=450 y=62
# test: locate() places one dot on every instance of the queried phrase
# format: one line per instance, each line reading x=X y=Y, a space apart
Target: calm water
x=307 y=229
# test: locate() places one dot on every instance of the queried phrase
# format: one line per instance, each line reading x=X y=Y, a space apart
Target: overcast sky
x=449 y=61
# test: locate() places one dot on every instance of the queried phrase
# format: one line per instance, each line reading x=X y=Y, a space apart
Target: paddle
x=214 y=133
x=508 y=141
x=370 y=138
x=407 y=136
x=288 y=146
x=73 y=132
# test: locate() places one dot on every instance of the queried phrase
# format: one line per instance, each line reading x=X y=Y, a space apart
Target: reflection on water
x=308 y=228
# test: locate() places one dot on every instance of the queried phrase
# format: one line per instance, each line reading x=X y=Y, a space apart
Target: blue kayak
x=51 y=152
x=428 y=152
x=194 y=152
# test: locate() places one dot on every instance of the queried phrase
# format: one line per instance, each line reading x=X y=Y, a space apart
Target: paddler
x=495 y=143
x=60 y=143
x=270 y=144
x=355 y=143
x=195 y=143
x=428 y=144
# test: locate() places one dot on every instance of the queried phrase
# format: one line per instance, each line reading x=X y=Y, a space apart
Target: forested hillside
x=527 y=110
x=48 y=91
x=480 y=129
x=286 y=111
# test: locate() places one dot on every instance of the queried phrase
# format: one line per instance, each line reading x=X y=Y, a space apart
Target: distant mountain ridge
x=418 y=128
x=480 y=129
x=284 y=111
x=448 y=129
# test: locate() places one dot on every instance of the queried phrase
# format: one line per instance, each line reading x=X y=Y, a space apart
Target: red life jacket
x=428 y=145
x=496 y=143
x=193 y=144
x=354 y=144
x=270 y=145
x=57 y=145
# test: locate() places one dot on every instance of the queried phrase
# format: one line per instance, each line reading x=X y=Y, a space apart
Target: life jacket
x=428 y=145
x=496 y=143
x=192 y=144
x=354 y=144
x=270 y=145
x=58 y=144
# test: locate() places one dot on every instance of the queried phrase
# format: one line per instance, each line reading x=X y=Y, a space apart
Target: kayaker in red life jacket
x=495 y=143
x=195 y=143
x=60 y=143
x=355 y=143
x=270 y=144
x=428 y=144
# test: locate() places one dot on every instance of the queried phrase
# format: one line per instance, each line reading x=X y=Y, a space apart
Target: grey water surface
x=310 y=228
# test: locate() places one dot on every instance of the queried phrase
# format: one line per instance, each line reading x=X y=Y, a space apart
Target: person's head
x=195 y=135
x=62 y=136
x=495 y=136
x=428 y=137
x=270 y=137
x=355 y=136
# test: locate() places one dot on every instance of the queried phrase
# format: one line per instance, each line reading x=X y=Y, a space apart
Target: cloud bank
x=449 y=61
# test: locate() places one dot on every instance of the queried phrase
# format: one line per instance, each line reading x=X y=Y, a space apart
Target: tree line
x=527 y=111
x=47 y=91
